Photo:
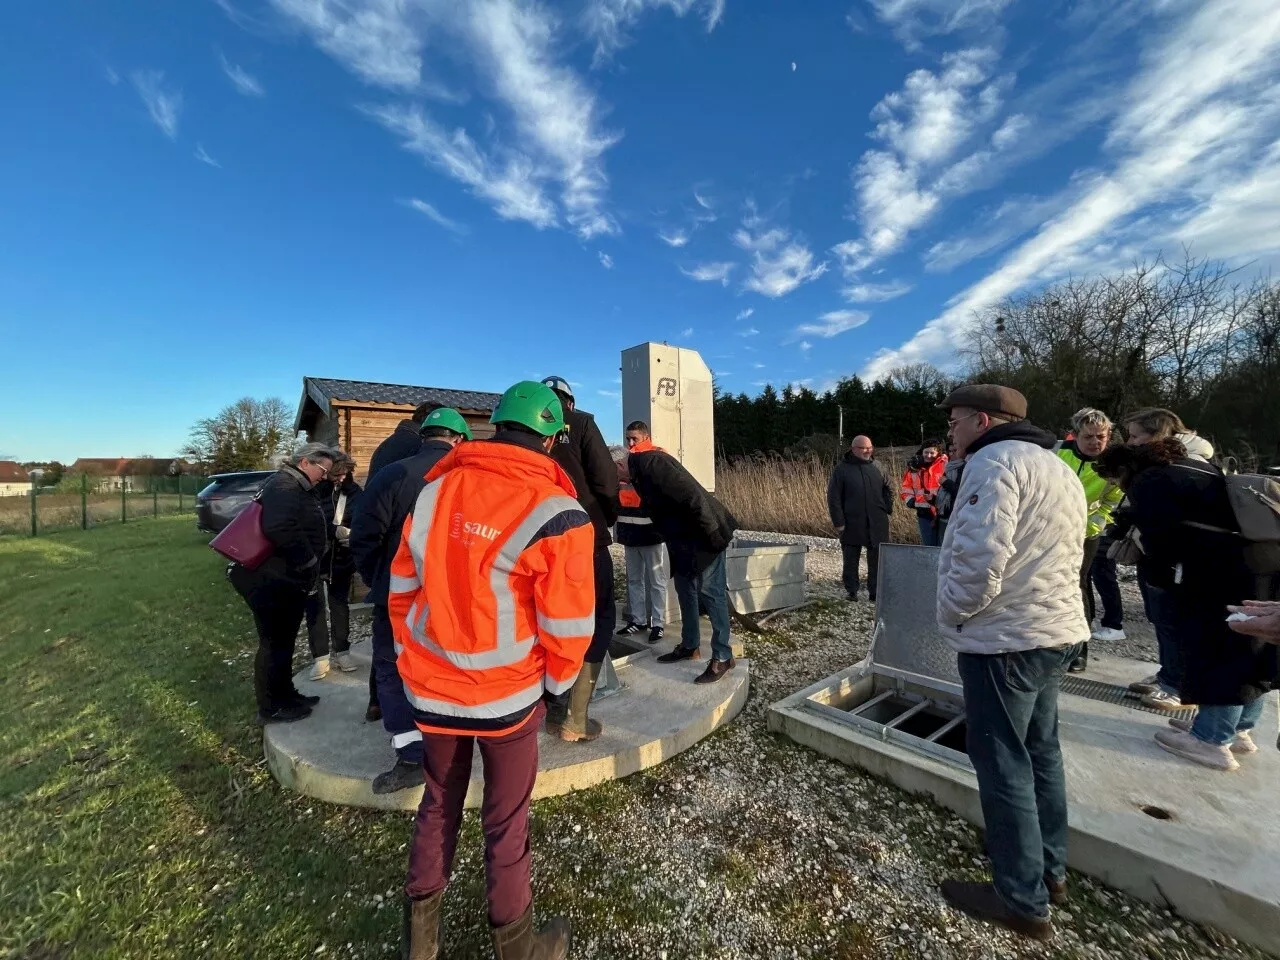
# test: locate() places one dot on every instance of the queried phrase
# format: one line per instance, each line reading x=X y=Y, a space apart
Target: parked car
x=225 y=496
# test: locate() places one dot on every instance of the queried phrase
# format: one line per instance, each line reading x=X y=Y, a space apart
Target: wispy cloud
x=608 y=22
x=914 y=20
x=203 y=156
x=757 y=366
x=703 y=202
x=434 y=215
x=744 y=314
x=164 y=105
x=606 y=261
x=240 y=78
x=686 y=333
x=749 y=332
x=673 y=238
x=1197 y=121
x=380 y=41
x=1011 y=219
x=710 y=272
x=611 y=394
x=113 y=78
x=510 y=184
x=833 y=324
x=805 y=346
x=779 y=263
x=875 y=292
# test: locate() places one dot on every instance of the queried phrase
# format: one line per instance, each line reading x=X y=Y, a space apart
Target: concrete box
x=669 y=388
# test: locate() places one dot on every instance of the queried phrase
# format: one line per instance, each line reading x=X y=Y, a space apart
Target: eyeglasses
x=952 y=423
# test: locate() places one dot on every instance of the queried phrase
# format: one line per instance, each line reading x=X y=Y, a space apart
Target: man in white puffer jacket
x=1009 y=604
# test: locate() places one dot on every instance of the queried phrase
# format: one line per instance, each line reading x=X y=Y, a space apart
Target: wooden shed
x=357 y=415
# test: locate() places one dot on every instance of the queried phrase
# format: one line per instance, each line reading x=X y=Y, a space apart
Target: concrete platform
x=334 y=754
x=1204 y=843
x=639 y=643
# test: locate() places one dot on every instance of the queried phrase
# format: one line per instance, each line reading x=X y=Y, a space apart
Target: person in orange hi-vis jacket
x=492 y=602
x=920 y=486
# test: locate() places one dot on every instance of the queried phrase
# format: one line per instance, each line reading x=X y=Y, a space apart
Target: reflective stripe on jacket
x=634 y=529
x=1102 y=495
x=920 y=487
x=492 y=594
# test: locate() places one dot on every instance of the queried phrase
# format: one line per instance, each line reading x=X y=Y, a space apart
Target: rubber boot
x=577 y=726
x=421 y=937
x=1080 y=663
x=517 y=941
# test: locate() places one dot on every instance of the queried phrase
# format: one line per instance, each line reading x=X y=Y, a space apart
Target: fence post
x=84 y=501
x=179 y=493
x=34 y=530
x=155 y=501
x=124 y=501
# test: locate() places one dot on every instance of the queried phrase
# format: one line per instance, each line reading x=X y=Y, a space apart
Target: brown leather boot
x=577 y=726
x=421 y=937
x=517 y=941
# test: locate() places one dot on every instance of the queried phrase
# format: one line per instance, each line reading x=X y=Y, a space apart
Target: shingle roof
x=403 y=393
x=13 y=472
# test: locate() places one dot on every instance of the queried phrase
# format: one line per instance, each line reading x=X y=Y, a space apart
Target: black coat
x=584 y=456
x=1166 y=504
x=339 y=555
x=860 y=500
x=405 y=441
x=379 y=518
x=294 y=523
x=695 y=525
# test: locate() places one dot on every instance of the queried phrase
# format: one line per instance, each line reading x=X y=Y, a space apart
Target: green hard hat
x=533 y=405
x=448 y=418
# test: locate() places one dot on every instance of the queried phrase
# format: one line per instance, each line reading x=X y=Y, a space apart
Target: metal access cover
x=907 y=636
x=1114 y=693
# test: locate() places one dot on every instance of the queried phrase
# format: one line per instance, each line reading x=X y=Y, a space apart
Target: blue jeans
x=1103 y=574
x=1162 y=611
x=1219 y=725
x=928 y=530
x=1011 y=707
x=708 y=587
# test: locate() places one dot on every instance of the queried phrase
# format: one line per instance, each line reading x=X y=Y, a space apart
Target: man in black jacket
x=697 y=530
x=860 y=502
x=584 y=456
x=404 y=441
x=384 y=506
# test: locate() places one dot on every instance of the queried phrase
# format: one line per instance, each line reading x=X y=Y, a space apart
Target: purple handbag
x=242 y=540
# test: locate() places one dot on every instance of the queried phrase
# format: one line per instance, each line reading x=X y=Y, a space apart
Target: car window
x=235 y=483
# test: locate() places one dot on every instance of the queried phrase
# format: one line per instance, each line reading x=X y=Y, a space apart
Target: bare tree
x=248 y=435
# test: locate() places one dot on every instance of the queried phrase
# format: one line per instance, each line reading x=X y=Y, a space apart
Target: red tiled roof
x=11 y=472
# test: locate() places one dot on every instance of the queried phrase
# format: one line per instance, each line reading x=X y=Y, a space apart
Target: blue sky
x=208 y=200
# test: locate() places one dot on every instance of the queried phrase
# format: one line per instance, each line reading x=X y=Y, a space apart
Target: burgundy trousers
x=510 y=768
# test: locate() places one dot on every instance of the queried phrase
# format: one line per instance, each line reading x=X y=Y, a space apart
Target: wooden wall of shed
x=359 y=430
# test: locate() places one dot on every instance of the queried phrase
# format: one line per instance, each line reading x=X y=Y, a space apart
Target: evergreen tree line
x=1195 y=337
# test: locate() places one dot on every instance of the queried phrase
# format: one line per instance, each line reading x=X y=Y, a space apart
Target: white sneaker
x=1107 y=633
x=1242 y=744
x=319 y=669
x=1159 y=700
x=1149 y=685
x=343 y=662
x=1196 y=750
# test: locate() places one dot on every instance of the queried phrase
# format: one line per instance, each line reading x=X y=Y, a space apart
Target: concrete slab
x=334 y=754
x=640 y=642
x=1204 y=843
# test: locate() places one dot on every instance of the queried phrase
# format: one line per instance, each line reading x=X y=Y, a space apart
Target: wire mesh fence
x=83 y=502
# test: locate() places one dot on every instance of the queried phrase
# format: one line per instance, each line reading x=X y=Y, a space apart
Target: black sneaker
x=373 y=713
x=400 y=777
x=681 y=653
x=655 y=634
x=630 y=630
x=303 y=700
x=289 y=714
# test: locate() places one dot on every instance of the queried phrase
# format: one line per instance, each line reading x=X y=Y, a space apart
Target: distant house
x=14 y=479
x=357 y=416
x=112 y=474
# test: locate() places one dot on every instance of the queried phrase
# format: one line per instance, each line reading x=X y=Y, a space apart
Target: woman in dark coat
x=276 y=591
x=1192 y=549
x=328 y=609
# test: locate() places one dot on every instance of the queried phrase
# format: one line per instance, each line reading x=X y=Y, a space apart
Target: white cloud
x=113 y=78
x=240 y=78
x=431 y=213
x=203 y=156
x=805 y=346
x=875 y=292
x=834 y=323
x=1010 y=131
x=607 y=22
x=380 y=41
x=711 y=272
x=1014 y=217
x=779 y=263
x=744 y=314
x=673 y=238
x=757 y=366
x=611 y=394
x=1192 y=116
x=749 y=332
x=686 y=333
x=606 y=261
x=163 y=105
x=913 y=20
x=511 y=184
x=703 y=202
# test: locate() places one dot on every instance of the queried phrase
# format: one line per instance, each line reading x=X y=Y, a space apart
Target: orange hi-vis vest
x=492 y=597
x=919 y=487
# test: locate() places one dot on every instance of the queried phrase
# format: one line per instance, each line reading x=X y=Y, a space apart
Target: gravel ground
x=750 y=846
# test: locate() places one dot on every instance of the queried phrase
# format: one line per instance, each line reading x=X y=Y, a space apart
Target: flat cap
x=988 y=398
